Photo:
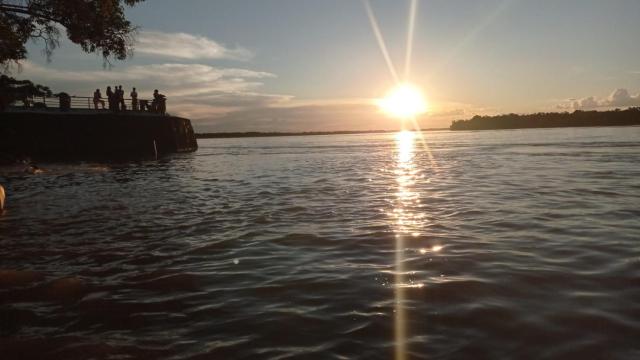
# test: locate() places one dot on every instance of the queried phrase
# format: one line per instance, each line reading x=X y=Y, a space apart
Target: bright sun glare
x=403 y=101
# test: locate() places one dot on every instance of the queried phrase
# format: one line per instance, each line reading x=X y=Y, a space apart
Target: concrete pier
x=60 y=136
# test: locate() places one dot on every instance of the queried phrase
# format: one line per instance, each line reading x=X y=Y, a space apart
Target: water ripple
x=514 y=244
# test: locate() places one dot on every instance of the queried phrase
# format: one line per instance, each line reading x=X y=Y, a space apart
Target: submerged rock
x=10 y=278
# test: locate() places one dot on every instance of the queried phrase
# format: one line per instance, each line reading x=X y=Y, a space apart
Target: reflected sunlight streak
x=406 y=103
x=405 y=175
x=408 y=222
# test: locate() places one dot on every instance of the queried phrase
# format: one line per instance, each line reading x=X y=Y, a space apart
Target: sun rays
x=404 y=101
x=380 y=39
x=413 y=9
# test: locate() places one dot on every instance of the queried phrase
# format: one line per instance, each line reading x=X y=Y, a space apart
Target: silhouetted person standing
x=111 y=98
x=116 y=98
x=134 y=100
x=159 y=104
x=97 y=99
x=121 y=104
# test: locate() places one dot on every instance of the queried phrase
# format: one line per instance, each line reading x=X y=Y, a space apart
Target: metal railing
x=86 y=103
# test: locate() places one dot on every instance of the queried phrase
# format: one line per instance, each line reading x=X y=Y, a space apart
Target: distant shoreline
x=305 y=133
x=578 y=118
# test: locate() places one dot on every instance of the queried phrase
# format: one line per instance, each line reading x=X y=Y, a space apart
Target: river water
x=492 y=244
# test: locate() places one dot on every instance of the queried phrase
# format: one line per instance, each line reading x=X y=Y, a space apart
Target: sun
x=404 y=101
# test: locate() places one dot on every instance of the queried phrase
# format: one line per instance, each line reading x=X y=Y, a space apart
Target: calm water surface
x=496 y=244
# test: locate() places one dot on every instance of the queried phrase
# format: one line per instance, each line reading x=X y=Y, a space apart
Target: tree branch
x=26 y=11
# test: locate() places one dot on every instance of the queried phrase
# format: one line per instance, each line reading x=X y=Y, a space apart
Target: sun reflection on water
x=408 y=225
x=405 y=174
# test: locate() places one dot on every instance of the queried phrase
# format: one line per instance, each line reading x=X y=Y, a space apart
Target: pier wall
x=93 y=136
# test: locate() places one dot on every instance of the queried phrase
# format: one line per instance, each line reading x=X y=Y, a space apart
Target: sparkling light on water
x=405 y=219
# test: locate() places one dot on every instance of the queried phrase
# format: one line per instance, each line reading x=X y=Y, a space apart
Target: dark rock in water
x=65 y=290
x=93 y=136
x=10 y=278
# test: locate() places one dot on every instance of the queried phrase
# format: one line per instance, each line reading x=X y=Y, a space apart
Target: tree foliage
x=617 y=117
x=12 y=90
x=98 y=26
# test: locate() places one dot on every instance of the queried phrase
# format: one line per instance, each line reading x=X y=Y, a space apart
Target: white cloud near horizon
x=231 y=99
x=618 y=98
x=193 y=90
x=360 y=114
x=187 y=46
x=177 y=80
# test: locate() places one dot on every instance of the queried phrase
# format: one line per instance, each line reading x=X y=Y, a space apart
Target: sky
x=308 y=65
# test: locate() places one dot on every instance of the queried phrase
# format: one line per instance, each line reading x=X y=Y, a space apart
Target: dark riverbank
x=307 y=133
x=74 y=136
x=578 y=118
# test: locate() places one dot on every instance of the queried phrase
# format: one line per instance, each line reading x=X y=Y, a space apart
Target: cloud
x=586 y=103
x=179 y=80
x=232 y=99
x=332 y=115
x=182 y=73
x=621 y=97
x=193 y=90
x=187 y=46
x=326 y=117
x=618 y=98
x=218 y=104
x=237 y=99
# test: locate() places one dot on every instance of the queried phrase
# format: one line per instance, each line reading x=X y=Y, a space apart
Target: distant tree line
x=578 y=118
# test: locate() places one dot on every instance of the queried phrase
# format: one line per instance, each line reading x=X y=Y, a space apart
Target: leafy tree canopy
x=25 y=87
x=13 y=90
x=98 y=26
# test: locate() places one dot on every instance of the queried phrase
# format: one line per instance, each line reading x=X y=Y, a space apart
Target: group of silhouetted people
x=116 y=102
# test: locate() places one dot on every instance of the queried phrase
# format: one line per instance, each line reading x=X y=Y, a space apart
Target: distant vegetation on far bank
x=578 y=118
x=268 y=134
x=306 y=133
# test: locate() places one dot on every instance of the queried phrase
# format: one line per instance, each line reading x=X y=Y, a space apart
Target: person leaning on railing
x=159 y=103
x=64 y=100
